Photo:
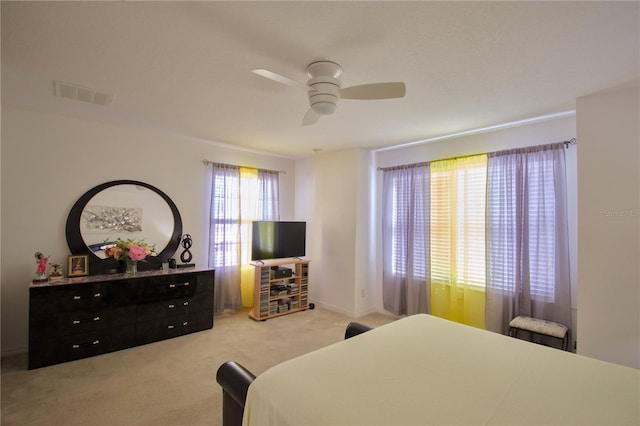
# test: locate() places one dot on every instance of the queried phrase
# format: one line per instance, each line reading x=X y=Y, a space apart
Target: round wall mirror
x=123 y=209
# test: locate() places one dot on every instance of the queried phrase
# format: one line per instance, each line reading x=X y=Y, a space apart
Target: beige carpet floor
x=164 y=383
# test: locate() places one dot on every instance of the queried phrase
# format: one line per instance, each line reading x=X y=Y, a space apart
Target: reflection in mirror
x=125 y=212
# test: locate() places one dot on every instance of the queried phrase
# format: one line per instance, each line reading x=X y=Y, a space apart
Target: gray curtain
x=405 y=240
x=268 y=206
x=224 y=237
x=527 y=237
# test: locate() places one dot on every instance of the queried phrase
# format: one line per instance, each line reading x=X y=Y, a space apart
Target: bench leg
x=513 y=332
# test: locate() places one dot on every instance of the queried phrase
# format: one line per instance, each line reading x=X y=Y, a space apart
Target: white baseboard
x=13 y=351
x=351 y=314
x=330 y=307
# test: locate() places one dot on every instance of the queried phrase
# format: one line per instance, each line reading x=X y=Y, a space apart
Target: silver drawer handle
x=77 y=346
x=76 y=322
x=171 y=327
x=182 y=285
x=80 y=297
x=171 y=306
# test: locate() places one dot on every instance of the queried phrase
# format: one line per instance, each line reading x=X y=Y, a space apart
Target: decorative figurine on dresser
x=56 y=272
x=109 y=310
x=41 y=268
x=186 y=256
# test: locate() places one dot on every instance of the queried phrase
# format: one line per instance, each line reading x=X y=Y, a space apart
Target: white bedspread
x=423 y=370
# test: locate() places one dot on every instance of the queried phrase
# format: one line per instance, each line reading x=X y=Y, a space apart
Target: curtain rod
x=566 y=143
x=233 y=166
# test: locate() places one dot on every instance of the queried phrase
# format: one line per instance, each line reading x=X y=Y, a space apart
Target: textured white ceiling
x=184 y=67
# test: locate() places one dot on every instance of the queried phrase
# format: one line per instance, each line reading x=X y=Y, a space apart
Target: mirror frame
x=98 y=265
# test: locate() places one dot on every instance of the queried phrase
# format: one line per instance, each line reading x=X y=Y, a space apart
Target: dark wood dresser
x=82 y=317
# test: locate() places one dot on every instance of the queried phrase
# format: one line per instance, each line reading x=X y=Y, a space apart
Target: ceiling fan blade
x=278 y=78
x=311 y=117
x=374 y=91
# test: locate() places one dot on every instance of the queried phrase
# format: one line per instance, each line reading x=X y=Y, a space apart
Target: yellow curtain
x=248 y=209
x=458 y=193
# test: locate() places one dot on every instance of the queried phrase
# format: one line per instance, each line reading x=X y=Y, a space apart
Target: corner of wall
x=609 y=226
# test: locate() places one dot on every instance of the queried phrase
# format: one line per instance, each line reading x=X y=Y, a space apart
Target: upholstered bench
x=541 y=327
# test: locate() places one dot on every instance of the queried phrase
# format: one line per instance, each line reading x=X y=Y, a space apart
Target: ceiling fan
x=325 y=90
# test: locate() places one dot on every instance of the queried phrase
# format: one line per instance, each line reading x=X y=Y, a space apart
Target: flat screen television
x=277 y=240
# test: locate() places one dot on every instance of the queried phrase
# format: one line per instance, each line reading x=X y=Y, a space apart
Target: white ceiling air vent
x=83 y=94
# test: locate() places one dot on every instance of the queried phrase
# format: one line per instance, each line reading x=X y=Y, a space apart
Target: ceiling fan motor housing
x=324 y=69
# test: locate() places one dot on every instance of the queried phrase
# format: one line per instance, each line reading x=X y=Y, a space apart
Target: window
x=458 y=193
x=457 y=230
x=240 y=195
x=522 y=221
x=408 y=221
x=225 y=230
x=542 y=228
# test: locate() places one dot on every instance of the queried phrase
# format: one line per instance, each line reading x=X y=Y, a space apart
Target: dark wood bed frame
x=235 y=380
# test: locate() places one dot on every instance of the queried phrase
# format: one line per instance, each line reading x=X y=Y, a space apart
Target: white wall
x=609 y=226
x=538 y=133
x=49 y=161
x=332 y=195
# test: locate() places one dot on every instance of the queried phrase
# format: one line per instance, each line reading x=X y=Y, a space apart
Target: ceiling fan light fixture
x=324 y=108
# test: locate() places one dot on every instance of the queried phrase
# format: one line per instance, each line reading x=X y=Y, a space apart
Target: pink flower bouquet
x=131 y=250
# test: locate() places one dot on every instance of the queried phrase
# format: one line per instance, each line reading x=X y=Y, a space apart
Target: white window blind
x=542 y=226
x=522 y=221
x=458 y=198
x=409 y=222
x=225 y=244
x=240 y=196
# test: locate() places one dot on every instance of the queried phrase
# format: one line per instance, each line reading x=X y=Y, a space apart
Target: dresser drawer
x=81 y=321
x=47 y=300
x=166 y=308
x=166 y=328
x=172 y=307
x=167 y=288
x=57 y=349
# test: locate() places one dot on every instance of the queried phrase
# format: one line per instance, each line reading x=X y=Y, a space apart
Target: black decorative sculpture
x=186 y=256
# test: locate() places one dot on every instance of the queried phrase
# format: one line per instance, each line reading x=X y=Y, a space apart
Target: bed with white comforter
x=423 y=370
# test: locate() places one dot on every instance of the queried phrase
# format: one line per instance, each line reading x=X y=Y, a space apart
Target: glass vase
x=132 y=267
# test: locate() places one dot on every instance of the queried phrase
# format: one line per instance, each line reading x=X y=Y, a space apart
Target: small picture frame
x=78 y=265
